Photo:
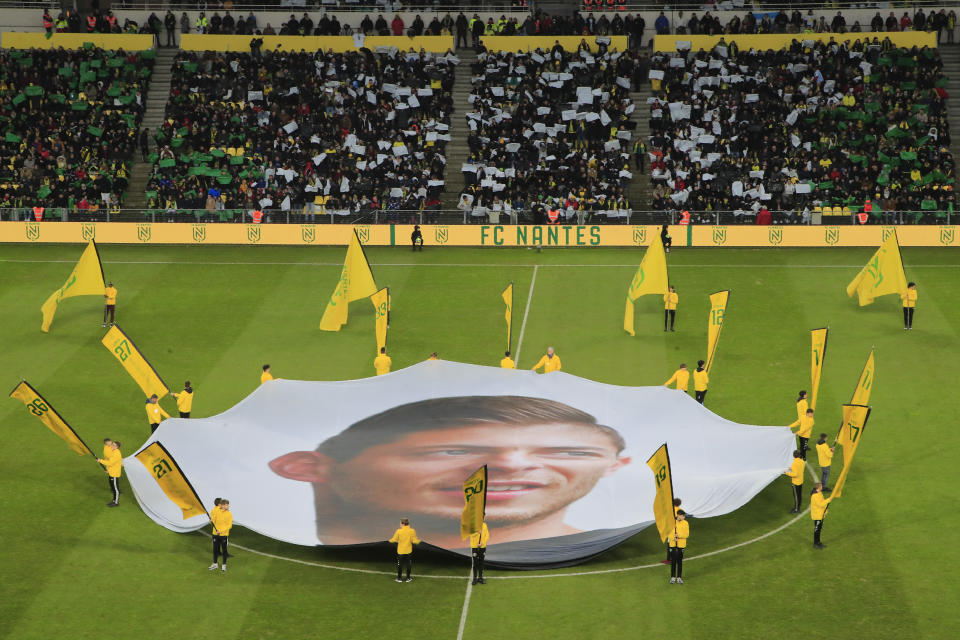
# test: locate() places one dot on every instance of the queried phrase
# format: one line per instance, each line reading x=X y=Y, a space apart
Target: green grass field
x=73 y=568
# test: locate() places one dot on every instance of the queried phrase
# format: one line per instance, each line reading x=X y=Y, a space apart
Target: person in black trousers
x=666 y=239
x=144 y=143
x=416 y=238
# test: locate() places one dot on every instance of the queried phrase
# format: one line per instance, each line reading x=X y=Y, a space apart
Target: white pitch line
x=526 y=312
x=466 y=604
x=477 y=265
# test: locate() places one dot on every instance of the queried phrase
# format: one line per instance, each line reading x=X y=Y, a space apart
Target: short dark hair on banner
x=461 y=411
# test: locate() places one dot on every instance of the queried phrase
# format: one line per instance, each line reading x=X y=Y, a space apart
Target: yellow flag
x=381 y=309
x=474 y=502
x=718 y=308
x=861 y=395
x=851 y=434
x=356 y=282
x=818 y=351
x=508 y=300
x=651 y=277
x=123 y=349
x=39 y=407
x=659 y=463
x=883 y=274
x=174 y=484
x=86 y=279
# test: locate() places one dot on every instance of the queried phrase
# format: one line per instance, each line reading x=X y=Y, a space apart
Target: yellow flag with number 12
x=718 y=308
x=171 y=479
x=381 y=309
x=659 y=463
x=38 y=407
x=123 y=349
x=818 y=351
x=474 y=503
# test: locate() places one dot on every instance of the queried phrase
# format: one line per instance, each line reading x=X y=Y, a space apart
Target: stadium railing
x=457 y=216
x=504 y=6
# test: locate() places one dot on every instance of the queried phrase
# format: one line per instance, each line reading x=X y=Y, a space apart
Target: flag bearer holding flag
x=222 y=521
x=478 y=549
x=678 y=542
x=805 y=424
x=818 y=509
x=909 y=299
x=113 y=460
x=796 y=478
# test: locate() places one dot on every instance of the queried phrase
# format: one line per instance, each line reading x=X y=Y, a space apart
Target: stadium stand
x=311 y=133
x=812 y=128
x=69 y=121
x=550 y=135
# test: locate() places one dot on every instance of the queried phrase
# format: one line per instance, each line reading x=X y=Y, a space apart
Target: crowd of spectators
x=553 y=129
x=308 y=132
x=68 y=125
x=811 y=125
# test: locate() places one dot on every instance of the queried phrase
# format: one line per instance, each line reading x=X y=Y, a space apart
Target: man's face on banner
x=533 y=471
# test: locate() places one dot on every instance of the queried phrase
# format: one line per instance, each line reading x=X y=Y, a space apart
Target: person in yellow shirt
x=681 y=376
x=802 y=406
x=113 y=461
x=110 y=297
x=222 y=521
x=266 y=375
x=155 y=412
x=805 y=424
x=818 y=510
x=670 y=300
x=796 y=471
x=549 y=362
x=700 y=381
x=478 y=549
x=676 y=507
x=184 y=400
x=678 y=542
x=824 y=457
x=382 y=362
x=909 y=304
x=507 y=362
x=405 y=537
x=434 y=356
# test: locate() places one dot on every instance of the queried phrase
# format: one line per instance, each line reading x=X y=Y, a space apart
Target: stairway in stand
x=640 y=187
x=457 y=149
x=950 y=54
x=152 y=118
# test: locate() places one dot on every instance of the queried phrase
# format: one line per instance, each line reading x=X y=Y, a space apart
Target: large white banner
x=339 y=463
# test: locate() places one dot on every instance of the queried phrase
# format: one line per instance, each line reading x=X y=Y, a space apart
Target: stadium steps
x=457 y=149
x=640 y=187
x=950 y=54
x=152 y=118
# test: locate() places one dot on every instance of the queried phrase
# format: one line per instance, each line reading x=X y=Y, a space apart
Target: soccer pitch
x=213 y=315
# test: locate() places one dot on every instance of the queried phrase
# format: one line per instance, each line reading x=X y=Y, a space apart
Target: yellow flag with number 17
x=508 y=300
x=381 y=309
x=718 y=308
x=851 y=434
x=818 y=351
x=861 y=395
x=474 y=503
x=38 y=407
x=171 y=479
x=659 y=463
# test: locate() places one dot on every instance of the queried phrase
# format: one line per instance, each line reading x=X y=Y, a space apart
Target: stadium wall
x=338 y=44
x=125 y=41
x=531 y=43
x=483 y=235
x=777 y=41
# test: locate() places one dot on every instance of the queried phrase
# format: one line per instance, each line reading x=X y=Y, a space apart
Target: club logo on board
x=199 y=232
x=88 y=230
x=442 y=234
x=885 y=233
x=308 y=233
x=719 y=235
x=946 y=235
x=775 y=235
x=33 y=231
x=363 y=233
x=253 y=233
x=831 y=235
x=144 y=231
x=639 y=235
